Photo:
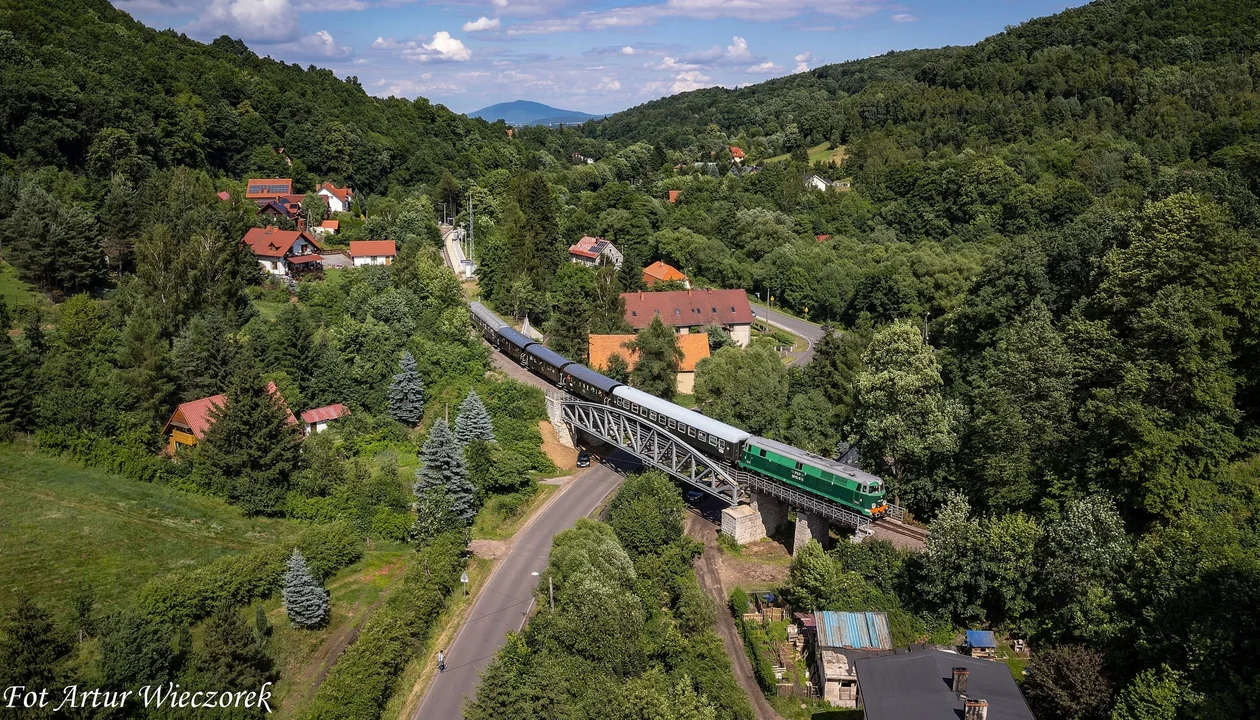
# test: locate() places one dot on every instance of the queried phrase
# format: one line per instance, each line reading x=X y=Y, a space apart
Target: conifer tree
x=304 y=600
x=406 y=393
x=656 y=372
x=29 y=645
x=13 y=377
x=233 y=659
x=251 y=449
x=473 y=422
x=445 y=473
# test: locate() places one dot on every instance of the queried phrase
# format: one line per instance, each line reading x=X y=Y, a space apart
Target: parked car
x=694 y=496
x=584 y=459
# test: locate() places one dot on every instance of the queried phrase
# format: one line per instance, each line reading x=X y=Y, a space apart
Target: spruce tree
x=444 y=472
x=250 y=450
x=473 y=422
x=656 y=372
x=233 y=659
x=406 y=393
x=29 y=645
x=304 y=600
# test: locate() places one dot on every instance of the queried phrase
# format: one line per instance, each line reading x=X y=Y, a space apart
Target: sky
x=597 y=57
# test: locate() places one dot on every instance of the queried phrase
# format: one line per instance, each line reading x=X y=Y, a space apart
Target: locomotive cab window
x=761 y=452
x=798 y=466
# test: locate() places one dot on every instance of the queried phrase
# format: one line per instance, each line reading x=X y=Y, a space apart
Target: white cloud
x=763 y=68
x=669 y=63
x=608 y=83
x=690 y=80
x=738 y=49
x=802 y=61
x=627 y=50
x=267 y=21
x=443 y=47
x=481 y=23
x=499 y=3
x=903 y=18
x=323 y=45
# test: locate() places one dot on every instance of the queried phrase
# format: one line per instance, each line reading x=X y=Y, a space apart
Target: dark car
x=694 y=496
x=584 y=459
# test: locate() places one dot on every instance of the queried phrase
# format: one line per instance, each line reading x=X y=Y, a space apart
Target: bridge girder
x=653 y=445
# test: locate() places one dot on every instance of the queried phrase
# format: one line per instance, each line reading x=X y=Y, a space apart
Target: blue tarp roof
x=981 y=639
x=852 y=630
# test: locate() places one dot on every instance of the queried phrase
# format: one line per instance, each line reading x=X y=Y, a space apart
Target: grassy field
x=496 y=522
x=16 y=293
x=818 y=153
x=61 y=525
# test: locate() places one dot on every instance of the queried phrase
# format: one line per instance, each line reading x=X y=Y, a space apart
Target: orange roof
x=333 y=225
x=373 y=248
x=695 y=347
x=737 y=153
x=274 y=242
x=342 y=194
x=662 y=272
x=673 y=196
x=688 y=308
x=266 y=188
x=822 y=238
x=195 y=414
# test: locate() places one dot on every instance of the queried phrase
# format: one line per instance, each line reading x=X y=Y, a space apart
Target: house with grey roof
x=932 y=684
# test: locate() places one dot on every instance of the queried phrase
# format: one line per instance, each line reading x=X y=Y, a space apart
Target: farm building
x=838 y=639
x=191 y=420
x=981 y=643
x=316 y=419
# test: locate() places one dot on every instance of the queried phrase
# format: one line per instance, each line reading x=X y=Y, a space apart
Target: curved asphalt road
x=808 y=330
x=507 y=599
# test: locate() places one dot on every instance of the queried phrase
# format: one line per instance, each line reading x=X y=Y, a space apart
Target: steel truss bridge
x=665 y=451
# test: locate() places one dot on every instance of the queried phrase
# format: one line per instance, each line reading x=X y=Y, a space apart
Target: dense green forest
x=1042 y=289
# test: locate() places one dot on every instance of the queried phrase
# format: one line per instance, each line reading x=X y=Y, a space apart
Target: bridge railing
x=798 y=499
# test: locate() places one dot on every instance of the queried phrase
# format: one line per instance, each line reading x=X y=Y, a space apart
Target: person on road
x=441 y=661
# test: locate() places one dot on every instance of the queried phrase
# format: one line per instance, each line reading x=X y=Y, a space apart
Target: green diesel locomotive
x=818 y=475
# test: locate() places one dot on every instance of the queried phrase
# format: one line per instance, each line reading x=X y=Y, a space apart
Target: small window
x=672 y=423
x=635 y=408
x=677 y=311
x=691 y=432
x=635 y=313
x=703 y=437
x=798 y=466
x=652 y=416
x=713 y=440
x=712 y=309
x=761 y=452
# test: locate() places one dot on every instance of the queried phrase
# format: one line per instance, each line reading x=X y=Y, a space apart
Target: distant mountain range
x=525 y=112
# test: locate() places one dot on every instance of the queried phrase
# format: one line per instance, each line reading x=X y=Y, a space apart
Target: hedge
x=189 y=595
x=360 y=685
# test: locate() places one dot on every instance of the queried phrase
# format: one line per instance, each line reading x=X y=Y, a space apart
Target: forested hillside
x=86 y=87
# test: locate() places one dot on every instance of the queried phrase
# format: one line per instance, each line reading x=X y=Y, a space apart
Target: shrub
x=360 y=684
x=189 y=595
x=738 y=602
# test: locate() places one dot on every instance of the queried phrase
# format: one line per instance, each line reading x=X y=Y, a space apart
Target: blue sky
x=596 y=56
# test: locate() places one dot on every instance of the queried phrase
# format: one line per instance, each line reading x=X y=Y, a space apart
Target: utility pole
x=551 y=591
x=472 y=231
x=443 y=213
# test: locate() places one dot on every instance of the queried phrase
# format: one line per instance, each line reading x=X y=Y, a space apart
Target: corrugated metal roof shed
x=981 y=639
x=858 y=630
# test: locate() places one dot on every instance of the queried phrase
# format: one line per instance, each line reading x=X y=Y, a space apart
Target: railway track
x=896 y=527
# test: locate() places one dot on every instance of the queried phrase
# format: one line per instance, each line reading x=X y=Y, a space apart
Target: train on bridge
x=848 y=486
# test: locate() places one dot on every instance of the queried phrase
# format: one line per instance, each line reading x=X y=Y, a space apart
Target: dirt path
x=707 y=574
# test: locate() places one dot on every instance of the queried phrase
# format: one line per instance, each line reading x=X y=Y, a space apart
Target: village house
x=328 y=227
x=592 y=251
x=284 y=252
x=838 y=639
x=736 y=154
x=191 y=420
x=338 y=199
x=316 y=419
x=262 y=191
x=660 y=272
x=373 y=252
x=689 y=310
x=694 y=346
x=926 y=683
x=285 y=206
x=674 y=195
x=817 y=182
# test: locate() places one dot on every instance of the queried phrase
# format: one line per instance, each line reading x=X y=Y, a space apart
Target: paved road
x=507 y=599
x=808 y=330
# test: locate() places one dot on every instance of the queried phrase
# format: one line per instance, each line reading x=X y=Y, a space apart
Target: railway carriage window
x=691 y=432
x=672 y=423
x=721 y=445
x=703 y=437
x=798 y=466
x=713 y=440
x=652 y=415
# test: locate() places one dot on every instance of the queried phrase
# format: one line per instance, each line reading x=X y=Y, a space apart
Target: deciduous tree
x=656 y=370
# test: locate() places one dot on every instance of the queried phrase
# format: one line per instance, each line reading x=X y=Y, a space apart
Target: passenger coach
x=703 y=433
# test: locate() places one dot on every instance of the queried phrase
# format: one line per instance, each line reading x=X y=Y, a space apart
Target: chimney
x=301 y=224
x=960 y=680
x=976 y=710
x=640 y=295
x=270 y=229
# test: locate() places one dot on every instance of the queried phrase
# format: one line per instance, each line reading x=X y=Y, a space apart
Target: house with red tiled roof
x=736 y=154
x=673 y=196
x=689 y=310
x=592 y=251
x=191 y=420
x=660 y=272
x=373 y=252
x=317 y=419
x=694 y=346
x=224 y=195
x=262 y=190
x=338 y=199
x=285 y=206
x=284 y=252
